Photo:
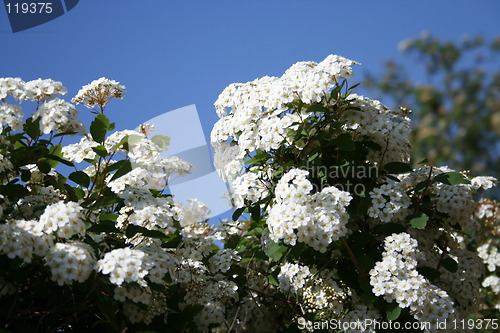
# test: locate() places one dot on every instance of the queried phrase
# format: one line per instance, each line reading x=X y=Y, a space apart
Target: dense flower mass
x=315 y=219
x=331 y=222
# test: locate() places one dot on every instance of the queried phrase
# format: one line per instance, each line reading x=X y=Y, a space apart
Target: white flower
x=63 y=218
x=70 y=262
x=99 y=92
x=124 y=265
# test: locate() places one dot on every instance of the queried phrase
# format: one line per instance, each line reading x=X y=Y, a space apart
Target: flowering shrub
x=332 y=222
x=348 y=228
x=88 y=239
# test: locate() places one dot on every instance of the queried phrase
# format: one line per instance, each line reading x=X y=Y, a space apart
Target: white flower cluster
x=15 y=241
x=493 y=282
x=396 y=279
x=12 y=116
x=193 y=212
x=5 y=164
x=323 y=296
x=150 y=170
x=70 y=262
x=226 y=228
x=490 y=254
x=99 y=92
x=11 y=86
x=292 y=278
x=58 y=115
x=144 y=210
x=258 y=117
x=358 y=314
x=250 y=186
x=484 y=182
x=221 y=261
x=55 y=114
x=134 y=293
x=389 y=202
x=315 y=219
x=124 y=265
x=227 y=167
x=136 y=313
x=390 y=129
x=36 y=90
x=214 y=295
x=188 y=261
x=63 y=218
x=42 y=90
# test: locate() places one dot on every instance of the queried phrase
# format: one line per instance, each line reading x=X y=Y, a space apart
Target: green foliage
x=455 y=100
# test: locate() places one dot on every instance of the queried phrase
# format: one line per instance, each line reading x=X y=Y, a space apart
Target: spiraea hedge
x=333 y=229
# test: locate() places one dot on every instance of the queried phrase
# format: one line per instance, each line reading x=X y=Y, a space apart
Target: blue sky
x=170 y=54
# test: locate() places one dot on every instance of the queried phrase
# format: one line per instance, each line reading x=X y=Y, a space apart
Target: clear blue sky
x=170 y=54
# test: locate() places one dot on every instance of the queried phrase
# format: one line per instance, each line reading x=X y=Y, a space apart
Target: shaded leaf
x=451 y=178
x=450 y=264
x=80 y=177
x=397 y=167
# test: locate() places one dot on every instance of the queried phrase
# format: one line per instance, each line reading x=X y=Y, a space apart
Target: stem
x=353 y=258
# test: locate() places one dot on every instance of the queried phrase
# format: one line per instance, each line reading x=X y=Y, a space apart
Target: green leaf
x=397 y=167
x=428 y=272
x=393 y=311
x=99 y=127
x=451 y=178
x=13 y=191
x=316 y=108
x=418 y=221
x=43 y=166
x=237 y=213
x=108 y=217
x=100 y=150
x=32 y=127
x=366 y=263
x=273 y=279
x=344 y=142
x=104 y=226
x=261 y=156
x=25 y=175
x=372 y=145
x=276 y=250
x=54 y=160
x=255 y=212
x=390 y=228
x=450 y=264
x=124 y=168
x=133 y=230
x=80 y=177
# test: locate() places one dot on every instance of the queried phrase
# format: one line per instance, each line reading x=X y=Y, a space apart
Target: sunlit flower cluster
x=42 y=90
x=63 y=218
x=70 y=262
x=390 y=129
x=11 y=86
x=99 y=92
x=315 y=219
x=11 y=115
x=60 y=116
x=124 y=265
x=397 y=279
x=293 y=277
